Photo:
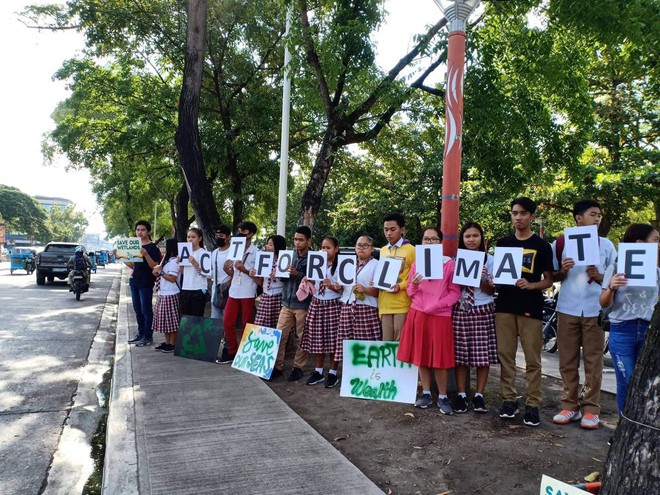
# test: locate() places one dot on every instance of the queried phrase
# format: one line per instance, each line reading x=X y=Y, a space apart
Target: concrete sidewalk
x=182 y=426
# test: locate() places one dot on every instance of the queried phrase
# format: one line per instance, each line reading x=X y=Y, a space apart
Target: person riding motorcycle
x=79 y=261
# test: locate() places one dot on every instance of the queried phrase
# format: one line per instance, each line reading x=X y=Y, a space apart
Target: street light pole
x=457 y=13
x=284 y=136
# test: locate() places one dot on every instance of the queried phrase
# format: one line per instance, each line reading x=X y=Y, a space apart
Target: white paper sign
x=237 y=248
x=205 y=261
x=346 y=269
x=185 y=251
x=507 y=267
x=551 y=486
x=317 y=265
x=468 y=268
x=264 y=263
x=284 y=260
x=428 y=261
x=128 y=249
x=638 y=260
x=370 y=370
x=581 y=245
x=387 y=273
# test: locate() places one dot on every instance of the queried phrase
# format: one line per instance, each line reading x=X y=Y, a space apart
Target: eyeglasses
x=363 y=246
x=430 y=239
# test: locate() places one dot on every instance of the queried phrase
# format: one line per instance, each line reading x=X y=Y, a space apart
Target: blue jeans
x=626 y=341
x=144 y=313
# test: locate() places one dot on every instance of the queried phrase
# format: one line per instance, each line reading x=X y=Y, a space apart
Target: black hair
x=638 y=232
x=583 y=205
x=395 y=217
x=335 y=242
x=223 y=229
x=146 y=224
x=199 y=234
x=279 y=243
x=528 y=204
x=304 y=230
x=471 y=225
x=249 y=226
x=171 y=250
x=431 y=227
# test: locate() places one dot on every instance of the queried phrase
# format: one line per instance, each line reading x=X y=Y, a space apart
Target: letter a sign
x=508 y=265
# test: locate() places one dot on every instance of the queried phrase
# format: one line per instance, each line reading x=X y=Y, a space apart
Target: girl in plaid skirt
x=322 y=322
x=474 y=325
x=359 y=310
x=270 y=302
x=167 y=313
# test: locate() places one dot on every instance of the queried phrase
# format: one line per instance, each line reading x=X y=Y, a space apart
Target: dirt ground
x=405 y=450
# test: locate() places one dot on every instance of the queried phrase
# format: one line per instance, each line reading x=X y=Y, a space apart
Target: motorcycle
x=550 y=322
x=79 y=286
x=29 y=265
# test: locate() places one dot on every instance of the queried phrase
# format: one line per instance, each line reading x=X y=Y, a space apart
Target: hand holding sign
x=508 y=265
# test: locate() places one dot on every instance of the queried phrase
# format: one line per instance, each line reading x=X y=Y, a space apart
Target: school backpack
x=79 y=262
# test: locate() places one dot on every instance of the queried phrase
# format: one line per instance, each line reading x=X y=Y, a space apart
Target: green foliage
x=22 y=214
x=66 y=224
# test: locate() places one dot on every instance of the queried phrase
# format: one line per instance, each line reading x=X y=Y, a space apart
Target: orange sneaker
x=590 y=421
x=565 y=416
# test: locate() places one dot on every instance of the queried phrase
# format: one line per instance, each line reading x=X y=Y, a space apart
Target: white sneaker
x=565 y=416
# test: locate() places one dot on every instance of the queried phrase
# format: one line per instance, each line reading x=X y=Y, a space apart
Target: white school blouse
x=364 y=277
x=192 y=279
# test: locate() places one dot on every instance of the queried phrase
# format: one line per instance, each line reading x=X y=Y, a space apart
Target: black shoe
x=315 y=378
x=295 y=375
x=226 y=358
x=275 y=375
x=169 y=348
x=144 y=343
x=331 y=380
x=160 y=347
x=478 y=404
x=136 y=339
x=509 y=409
x=531 y=416
x=460 y=404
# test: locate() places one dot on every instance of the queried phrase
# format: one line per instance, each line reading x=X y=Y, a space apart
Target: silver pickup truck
x=51 y=262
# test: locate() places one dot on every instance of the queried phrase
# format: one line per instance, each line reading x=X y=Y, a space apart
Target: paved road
x=45 y=339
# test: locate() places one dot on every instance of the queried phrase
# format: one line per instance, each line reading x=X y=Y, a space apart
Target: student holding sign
x=473 y=320
x=322 y=322
x=427 y=338
x=242 y=291
x=577 y=312
x=359 y=311
x=631 y=306
x=519 y=312
x=168 y=307
x=393 y=303
x=195 y=284
x=270 y=302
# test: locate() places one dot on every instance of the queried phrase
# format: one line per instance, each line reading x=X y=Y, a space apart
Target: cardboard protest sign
x=237 y=248
x=185 y=251
x=468 y=268
x=581 y=245
x=507 y=267
x=346 y=269
x=258 y=350
x=317 y=265
x=264 y=263
x=551 y=486
x=284 y=260
x=387 y=273
x=638 y=260
x=372 y=371
x=128 y=249
x=428 y=261
x=198 y=338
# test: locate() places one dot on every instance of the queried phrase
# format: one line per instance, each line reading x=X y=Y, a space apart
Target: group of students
x=439 y=324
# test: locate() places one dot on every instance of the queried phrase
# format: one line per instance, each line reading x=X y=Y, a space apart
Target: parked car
x=51 y=262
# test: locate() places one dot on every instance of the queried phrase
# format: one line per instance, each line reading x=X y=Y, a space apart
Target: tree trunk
x=311 y=200
x=633 y=464
x=180 y=220
x=187 y=138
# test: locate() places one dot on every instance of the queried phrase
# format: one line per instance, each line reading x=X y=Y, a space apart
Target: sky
x=30 y=57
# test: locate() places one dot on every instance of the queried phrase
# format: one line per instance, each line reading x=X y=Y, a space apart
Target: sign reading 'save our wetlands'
x=128 y=249
x=371 y=371
x=258 y=350
x=198 y=338
x=551 y=486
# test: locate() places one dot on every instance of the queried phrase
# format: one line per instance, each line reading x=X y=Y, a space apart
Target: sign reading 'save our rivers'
x=128 y=249
x=371 y=371
x=258 y=350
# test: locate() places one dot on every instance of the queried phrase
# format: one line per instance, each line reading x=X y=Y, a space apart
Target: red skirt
x=427 y=340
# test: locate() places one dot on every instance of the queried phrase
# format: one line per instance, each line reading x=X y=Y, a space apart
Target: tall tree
x=23 y=214
x=67 y=224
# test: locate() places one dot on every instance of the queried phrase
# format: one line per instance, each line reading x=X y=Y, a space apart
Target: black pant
x=193 y=302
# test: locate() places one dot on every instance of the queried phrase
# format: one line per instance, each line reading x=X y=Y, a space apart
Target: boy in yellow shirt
x=393 y=304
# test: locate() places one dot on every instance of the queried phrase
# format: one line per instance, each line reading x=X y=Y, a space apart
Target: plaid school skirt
x=356 y=322
x=475 y=343
x=167 y=314
x=268 y=310
x=321 y=326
